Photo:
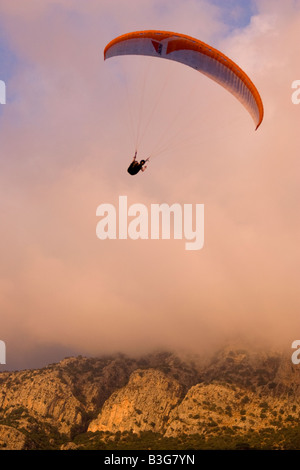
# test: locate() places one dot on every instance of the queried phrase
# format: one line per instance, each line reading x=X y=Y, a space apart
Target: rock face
x=43 y=395
x=235 y=391
x=144 y=404
x=215 y=406
x=62 y=399
x=11 y=438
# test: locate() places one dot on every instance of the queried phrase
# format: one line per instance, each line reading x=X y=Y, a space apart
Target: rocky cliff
x=93 y=400
x=143 y=404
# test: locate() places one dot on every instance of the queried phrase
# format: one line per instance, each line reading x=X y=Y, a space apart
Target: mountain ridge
x=82 y=402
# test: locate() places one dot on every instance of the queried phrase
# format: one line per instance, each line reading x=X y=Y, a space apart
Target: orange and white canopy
x=195 y=54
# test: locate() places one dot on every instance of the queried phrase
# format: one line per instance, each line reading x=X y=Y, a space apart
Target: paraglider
x=196 y=54
x=136 y=166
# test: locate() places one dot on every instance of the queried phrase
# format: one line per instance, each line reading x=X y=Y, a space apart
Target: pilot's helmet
x=142 y=162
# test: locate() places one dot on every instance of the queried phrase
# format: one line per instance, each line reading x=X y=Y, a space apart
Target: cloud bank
x=66 y=142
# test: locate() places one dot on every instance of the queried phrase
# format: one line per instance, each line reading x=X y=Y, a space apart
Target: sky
x=68 y=132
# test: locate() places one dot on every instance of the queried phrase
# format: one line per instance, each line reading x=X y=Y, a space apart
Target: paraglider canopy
x=196 y=54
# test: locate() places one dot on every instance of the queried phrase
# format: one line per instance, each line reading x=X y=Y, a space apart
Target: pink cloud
x=65 y=149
